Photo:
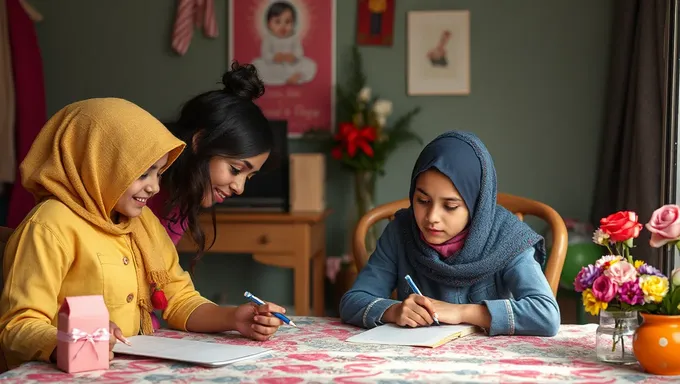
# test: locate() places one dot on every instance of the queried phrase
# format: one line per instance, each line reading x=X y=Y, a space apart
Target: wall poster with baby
x=292 y=45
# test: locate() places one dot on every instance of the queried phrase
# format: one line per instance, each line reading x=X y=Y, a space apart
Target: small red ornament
x=158 y=300
x=352 y=138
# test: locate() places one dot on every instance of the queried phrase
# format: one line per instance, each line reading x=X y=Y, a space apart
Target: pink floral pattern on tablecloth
x=317 y=352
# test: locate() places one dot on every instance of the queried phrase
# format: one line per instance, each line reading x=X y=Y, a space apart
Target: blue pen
x=415 y=289
x=257 y=301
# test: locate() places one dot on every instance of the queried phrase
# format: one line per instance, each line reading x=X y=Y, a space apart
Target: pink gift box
x=83 y=334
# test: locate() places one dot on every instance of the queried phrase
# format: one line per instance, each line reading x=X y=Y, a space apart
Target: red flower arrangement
x=350 y=138
x=363 y=141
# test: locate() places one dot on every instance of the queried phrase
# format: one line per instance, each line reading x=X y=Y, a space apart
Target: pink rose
x=664 y=225
x=621 y=272
x=604 y=289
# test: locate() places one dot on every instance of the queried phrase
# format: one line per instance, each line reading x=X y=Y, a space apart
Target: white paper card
x=189 y=351
x=432 y=336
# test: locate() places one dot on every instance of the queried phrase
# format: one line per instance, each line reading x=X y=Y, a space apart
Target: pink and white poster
x=292 y=45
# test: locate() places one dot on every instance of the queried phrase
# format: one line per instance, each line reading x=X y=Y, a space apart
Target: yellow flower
x=639 y=263
x=654 y=288
x=593 y=306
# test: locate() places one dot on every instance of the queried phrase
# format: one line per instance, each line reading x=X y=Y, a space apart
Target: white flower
x=382 y=108
x=608 y=258
x=364 y=94
x=381 y=121
x=600 y=238
x=675 y=277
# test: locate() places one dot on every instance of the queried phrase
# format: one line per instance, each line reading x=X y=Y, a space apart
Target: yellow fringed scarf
x=86 y=156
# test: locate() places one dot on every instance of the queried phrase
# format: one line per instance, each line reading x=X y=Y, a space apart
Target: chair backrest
x=520 y=206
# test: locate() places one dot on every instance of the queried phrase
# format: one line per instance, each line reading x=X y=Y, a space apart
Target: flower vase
x=364 y=193
x=614 y=342
x=656 y=344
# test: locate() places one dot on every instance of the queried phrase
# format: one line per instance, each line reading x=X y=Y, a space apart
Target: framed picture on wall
x=292 y=45
x=438 y=46
x=375 y=22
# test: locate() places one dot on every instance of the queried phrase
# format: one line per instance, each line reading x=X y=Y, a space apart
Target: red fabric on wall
x=31 y=112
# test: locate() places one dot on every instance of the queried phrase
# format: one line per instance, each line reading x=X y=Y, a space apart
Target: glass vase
x=614 y=341
x=364 y=193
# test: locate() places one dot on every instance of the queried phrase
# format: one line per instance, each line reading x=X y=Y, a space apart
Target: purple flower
x=585 y=277
x=646 y=269
x=631 y=293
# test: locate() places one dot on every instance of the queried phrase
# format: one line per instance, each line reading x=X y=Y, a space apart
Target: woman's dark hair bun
x=243 y=81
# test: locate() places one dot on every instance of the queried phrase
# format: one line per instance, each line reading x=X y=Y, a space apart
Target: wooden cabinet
x=290 y=240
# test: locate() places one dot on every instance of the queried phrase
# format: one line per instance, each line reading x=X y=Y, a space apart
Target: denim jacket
x=518 y=297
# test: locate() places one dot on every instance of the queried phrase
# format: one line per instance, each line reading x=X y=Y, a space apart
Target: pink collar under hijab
x=449 y=247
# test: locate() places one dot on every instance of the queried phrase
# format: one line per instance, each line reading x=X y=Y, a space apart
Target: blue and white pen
x=257 y=301
x=415 y=289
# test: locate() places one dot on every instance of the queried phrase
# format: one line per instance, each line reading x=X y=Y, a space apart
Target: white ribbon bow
x=77 y=335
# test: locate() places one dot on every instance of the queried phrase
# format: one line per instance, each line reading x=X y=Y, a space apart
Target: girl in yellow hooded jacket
x=91 y=169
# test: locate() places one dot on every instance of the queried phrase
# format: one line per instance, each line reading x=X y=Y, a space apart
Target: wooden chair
x=518 y=205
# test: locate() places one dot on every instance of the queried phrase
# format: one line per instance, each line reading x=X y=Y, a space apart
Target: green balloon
x=578 y=256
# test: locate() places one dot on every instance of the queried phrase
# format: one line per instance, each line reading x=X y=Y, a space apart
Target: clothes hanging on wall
x=8 y=162
x=193 y=14
x=29 y=91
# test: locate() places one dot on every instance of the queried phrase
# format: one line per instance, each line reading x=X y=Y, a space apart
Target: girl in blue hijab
x=473 y=261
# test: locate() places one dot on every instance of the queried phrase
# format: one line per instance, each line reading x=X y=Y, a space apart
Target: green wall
x=539 y=71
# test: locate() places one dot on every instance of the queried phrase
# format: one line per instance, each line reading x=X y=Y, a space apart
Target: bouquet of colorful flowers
x=616 y=282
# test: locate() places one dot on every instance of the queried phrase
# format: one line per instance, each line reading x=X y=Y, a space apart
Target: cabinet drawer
x=254 y=238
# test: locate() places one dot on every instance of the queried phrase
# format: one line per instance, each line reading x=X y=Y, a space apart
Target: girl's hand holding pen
x=415 y=311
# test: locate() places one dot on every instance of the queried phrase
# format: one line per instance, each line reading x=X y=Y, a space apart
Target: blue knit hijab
x=495 y=235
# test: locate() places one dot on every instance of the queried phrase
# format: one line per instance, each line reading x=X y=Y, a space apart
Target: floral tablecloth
x=316 y=352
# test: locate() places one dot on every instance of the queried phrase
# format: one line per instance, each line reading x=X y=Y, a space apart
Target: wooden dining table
x=317 y=352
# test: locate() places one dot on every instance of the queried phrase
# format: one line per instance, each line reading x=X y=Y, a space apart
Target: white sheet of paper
x=189 y=351
x=432 y=336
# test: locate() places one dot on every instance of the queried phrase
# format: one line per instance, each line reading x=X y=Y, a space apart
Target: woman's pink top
x=175 y=229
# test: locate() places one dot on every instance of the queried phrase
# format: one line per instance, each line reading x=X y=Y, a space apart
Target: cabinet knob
x=263 y=240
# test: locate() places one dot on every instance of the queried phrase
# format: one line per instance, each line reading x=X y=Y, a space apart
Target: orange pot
x=656 y=344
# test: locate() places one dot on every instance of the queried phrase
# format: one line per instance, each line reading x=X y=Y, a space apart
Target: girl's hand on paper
x=475 y=314
x=257 y=322
x=448 y=313
x=413 y=312
x=115 y=334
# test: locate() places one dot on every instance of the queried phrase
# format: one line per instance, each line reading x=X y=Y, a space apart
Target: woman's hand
x=415 y=311
x=257 y=322
x=115 y=334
